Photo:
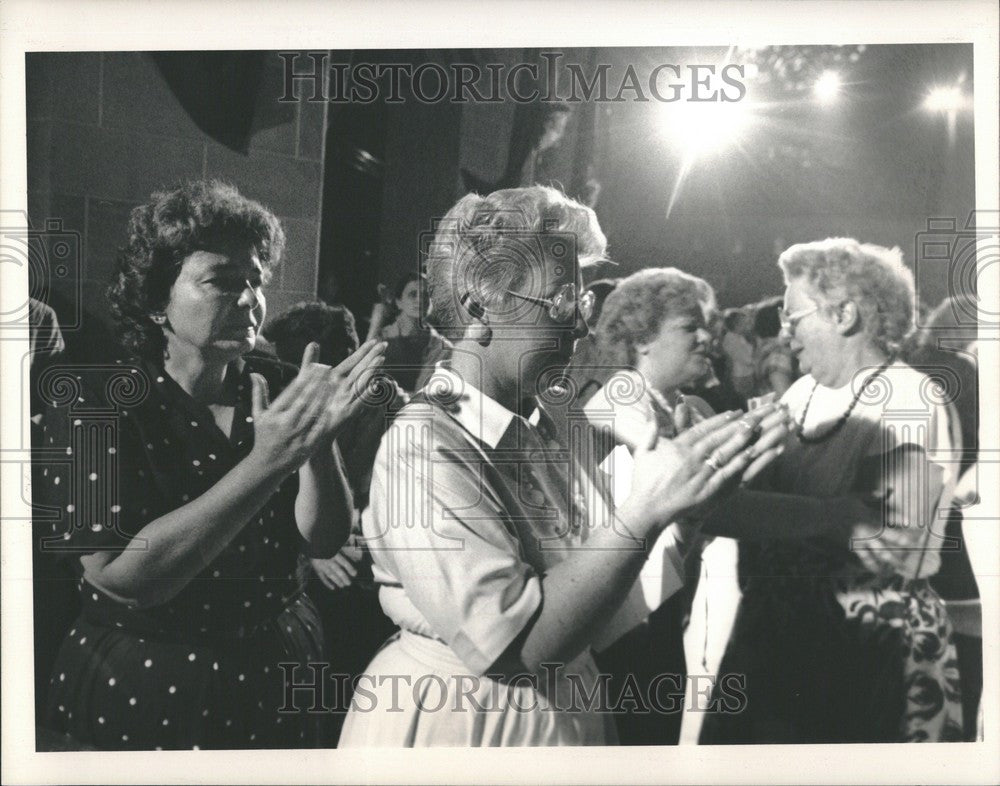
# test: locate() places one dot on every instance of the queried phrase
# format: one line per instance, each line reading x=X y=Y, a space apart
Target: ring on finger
x=713 y=462
x=744 y=423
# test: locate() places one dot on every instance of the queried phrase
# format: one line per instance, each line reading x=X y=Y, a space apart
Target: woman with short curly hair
x=202 y=216
x=186 y=534
x=497 y=555
x=654 y=333
x=839 y=636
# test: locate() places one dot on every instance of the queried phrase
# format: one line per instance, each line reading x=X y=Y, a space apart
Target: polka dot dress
x=202 y=670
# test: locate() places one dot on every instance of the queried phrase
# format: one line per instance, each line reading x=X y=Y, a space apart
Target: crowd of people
x=483 y=525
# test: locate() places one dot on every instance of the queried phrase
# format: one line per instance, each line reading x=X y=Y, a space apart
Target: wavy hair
x=637 y=308
x=331 y=326
x=204 y=215
x=873 y=277
x=486 y=245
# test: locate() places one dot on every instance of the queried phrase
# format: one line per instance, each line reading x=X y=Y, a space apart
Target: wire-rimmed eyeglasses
x=564 y=305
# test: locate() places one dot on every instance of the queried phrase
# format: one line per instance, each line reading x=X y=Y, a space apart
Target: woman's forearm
x=324 y=505
x=753 y=514
x=582 y=593
x=167 y=553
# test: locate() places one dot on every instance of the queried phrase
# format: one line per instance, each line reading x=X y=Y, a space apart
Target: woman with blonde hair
x=496 y=552
x=839 y=636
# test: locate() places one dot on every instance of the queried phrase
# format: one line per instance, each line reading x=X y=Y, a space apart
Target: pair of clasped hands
x=679 y=479
x=306 y=417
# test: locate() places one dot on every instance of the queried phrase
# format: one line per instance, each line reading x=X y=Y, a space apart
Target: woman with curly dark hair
x=187 y=551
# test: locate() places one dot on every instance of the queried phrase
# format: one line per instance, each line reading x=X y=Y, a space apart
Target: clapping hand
x=674 y=478
x=306 y=416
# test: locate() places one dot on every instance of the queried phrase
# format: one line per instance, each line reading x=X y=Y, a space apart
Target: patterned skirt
x=114 y=689
x=826 y=661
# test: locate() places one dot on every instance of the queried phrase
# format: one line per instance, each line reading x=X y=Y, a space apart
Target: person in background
x=839 y=635
x=940 y=349
x=653 y=334
x=225 y=469
x=53 y=586
x=414 y=346
x=46 y=346
x=353 y=622
x=773 y=363
x=585 y=371
x=737 y=345
x=716 y=386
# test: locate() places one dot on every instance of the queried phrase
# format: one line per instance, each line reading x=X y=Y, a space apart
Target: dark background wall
x=875 y=165
x=357 y=185
x=105 y=130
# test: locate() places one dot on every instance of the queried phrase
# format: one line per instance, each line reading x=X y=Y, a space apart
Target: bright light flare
x=702 y=128
x=827 y=87
x=945 y=99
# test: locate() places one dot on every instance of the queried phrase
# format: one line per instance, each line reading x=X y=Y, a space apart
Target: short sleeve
x=92 y=485
x=438 y=529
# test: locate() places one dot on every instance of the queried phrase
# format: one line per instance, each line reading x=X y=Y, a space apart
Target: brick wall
x=104 y=131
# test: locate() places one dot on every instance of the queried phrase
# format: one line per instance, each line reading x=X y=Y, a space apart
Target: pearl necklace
x=816 y=438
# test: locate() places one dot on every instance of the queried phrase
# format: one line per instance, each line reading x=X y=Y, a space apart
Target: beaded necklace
x=817 y=438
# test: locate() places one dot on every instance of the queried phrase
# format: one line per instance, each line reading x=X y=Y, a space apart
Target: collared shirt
x=470 y=505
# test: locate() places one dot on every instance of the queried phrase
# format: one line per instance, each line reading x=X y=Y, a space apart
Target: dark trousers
x=648 y=677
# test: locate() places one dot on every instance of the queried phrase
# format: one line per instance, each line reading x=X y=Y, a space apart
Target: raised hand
x=307 y=414
x=675 y=477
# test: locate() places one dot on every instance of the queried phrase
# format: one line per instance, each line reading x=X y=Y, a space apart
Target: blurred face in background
x=409 y=303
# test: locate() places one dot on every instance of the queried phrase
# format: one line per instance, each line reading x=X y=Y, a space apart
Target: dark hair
x=601 y=289
x=766 y=321
x=403 y=282
x=331 y=326
x=732 y=317
x=204 y=215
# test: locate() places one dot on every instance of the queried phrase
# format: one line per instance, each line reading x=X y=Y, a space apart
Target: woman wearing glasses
x=185 y=523
x=497 y=553
x=839 y=637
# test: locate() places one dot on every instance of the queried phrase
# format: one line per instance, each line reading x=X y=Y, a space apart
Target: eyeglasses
x=564 y=305
x=790 y=321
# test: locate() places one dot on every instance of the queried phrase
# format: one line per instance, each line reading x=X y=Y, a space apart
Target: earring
x=159 y=319
x=481 y=333
x=480 y=330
